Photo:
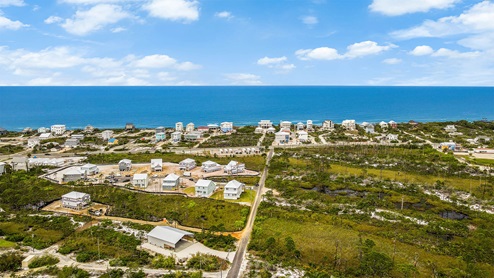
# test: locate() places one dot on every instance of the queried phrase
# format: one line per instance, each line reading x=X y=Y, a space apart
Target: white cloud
x=6 y=23
x=366 y=48
x=164 y=61
x=7 y=3
x=175 y=10
x=353 y=51
x=310 y=20
x=93 y=2
x=244 y=79
x=269 y=61
x=422 y=50
x=476 y=20
x=118 y=30
x=224 y=14
x=395 y=8
x=320 y=53
x=53 y=19
x=279 y=63
x=392 y=61
x=99 y=16
x=67 y=66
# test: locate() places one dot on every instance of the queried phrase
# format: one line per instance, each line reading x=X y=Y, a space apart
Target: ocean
x=112 y=107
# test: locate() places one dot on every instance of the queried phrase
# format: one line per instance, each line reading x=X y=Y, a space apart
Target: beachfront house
x=328 y=125
x=107 y=134
x=160 y=136
x=58 y=129
x=89 y=129
x=285 y=125
x=76 y=200
x=450 y=128
x=193 y=136
x=383 y=125
x=300 y=126
x=171 y=182
x=233 y=190
x=210 y=166
x=125 y=165
x=205 y=188
x=203 y=129
x=282 y=137
x=20 y=163
x=73 y=174
x=140 y=180
x=190 y=127
x=90 y=169
x=77 y=136
x=348 y=124
x=271 y=130
x=176 y=136
x=44 y=136
x=392 y=137
x=258 y=130
x=265 y=124
x=32 y=142
x=167 y=237
x=130 y=127
x=369 y=128
x=213 y=127
x=113 y=141
x=71 y=143
x=187 y=164
x=160 y=129
x=226 y=127
x=310 y=126
x=27 y=130
x=392 y=124
x=179 y=126
x=3 y=131
x=156 y=165
x=43 y=130
x=233 y=167
x=2 y=168
x=302 y=136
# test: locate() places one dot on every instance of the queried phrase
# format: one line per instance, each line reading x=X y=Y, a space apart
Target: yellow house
x=112 y=141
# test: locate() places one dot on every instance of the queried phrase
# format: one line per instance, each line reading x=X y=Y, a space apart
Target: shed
x=167 y=237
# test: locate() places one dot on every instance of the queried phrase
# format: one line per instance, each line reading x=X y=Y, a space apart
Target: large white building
x=76 y=200
x=226 y=127
x=90 y=169
x=282 y=137
x=58 y=129
x=179 y=127
x=74 y=174
x=205 y=188
x=302 y=136
x=328 y=125
x=187 y=164
x=167 y=237
x=157 y=165
x=32 y=142
x=140 y=180
x=348 y=124
x=171 y=182
x=125 y=165
x=210 y=166
x=233 y=190
x=176 y=136
x=285 y=125
x=107 y=134
x=190 y=127
x=265 y=124
x=233 y=167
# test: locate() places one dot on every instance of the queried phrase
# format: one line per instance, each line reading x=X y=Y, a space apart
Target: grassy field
x=6 y=244
x=247 y=196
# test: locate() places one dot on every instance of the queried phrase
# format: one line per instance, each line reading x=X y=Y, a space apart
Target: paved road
x=242 y=247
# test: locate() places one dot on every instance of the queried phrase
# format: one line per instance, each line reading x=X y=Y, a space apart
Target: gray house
x=76 y=200
x=171 y=182
x=167 y=237
x=71 y=143
x=125 y=165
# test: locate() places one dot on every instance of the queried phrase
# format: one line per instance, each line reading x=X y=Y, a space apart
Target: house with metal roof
x=20 y=163
x=233 y=167
x=76 y=200
x=125 y=165
x=176 y=136
x=210 y=166
x=205 y=188
x=140 y=180
x=233 y=190
x=157 y=165
x=72 y=175
x=171 y=182
x=90 y=169
x=187 y=164
x=167 y=237
x=282 y=137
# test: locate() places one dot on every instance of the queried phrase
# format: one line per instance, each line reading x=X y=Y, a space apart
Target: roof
x=127 y=161
x=209 y=162
x=282 y=133
x=112 y=140
x=44 y=135
x=187 y=160
x=2 y=163
x=140 y=176
x=177 y=133
x=74 y=195
x=19 y=159
x=168 y=234
x=171 y=177
x=202 y=182
x=73 y=172
x=156 y=161
x=302 y=132
x=89 y=165
x=234 y=184
x=232 y=163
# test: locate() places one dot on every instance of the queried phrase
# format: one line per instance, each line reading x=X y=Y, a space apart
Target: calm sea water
x=155 y=106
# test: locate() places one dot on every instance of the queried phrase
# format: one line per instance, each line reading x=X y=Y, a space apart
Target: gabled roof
x=171 y=177
x=168 y=234
x=73 y=172
x=234 y=184
x=74 y=195
x=202 y=182
x=89 y=165
x=140 y=176
x=209 y=163
x=126 y=161
x=19 y=159
x=187 y=160
x=156 y=161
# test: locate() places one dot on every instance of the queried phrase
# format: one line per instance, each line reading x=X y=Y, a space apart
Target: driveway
x=189 y=250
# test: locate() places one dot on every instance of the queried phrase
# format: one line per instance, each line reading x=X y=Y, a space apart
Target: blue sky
x=247 y=42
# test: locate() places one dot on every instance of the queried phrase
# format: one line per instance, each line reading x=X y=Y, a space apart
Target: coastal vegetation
x=242 y=137
x=10 y=149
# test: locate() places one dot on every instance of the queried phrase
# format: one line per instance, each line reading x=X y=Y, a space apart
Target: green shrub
x=43 y=260
x=10 y=261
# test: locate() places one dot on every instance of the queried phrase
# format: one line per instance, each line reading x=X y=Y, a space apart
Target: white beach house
x=265 y=124
x=157 y=165
x=233 y=167
x=348 y=124
x=300 y=126
x=76 y=200
x=393 y=124
x=32 y=142
x=90 y=169
x=226 y=127
x=160 y=136
x=125 y=165
x=210 y=166
x=58 y=129
x=2 y=168
x=310 y=126
x=89 y=129
x=140 y=180
x=71 y=143
x=285 y=125
x=20 y=163
x=179 y=126
x=190 y=127
x=328 y=125
x=107 y=134
x=160 y=129
x=205 y=188
x=171 y=182
x=233 y=190
x=383 y=125
x=187 y=164
x=392 y=137
x=302 y=136
x=167 y=237
x=282 y=137
x=176 y=136
x=193 y=136
x=450 y=128
x=43 y=130
x=73 y=174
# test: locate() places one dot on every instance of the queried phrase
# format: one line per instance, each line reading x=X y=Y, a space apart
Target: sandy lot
x=57 y=207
